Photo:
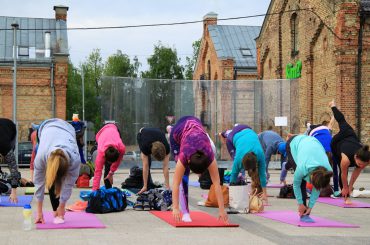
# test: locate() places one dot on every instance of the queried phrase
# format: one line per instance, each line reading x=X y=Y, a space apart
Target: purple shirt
x=187 y=137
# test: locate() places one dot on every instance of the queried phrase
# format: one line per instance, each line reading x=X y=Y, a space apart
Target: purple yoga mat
x=73 y=220
x=339 y=202
x=292 y=218
x=274 y=185
x=194 y=183
x=22 y=200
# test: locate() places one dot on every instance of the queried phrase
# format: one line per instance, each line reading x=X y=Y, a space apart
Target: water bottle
x=27 y=215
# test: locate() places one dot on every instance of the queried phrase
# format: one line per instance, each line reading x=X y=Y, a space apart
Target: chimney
x=61 y=12
x=47 y=44
x=209 y=19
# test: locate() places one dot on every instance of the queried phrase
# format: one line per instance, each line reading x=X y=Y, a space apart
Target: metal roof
x=32 y=37
x=230 y=40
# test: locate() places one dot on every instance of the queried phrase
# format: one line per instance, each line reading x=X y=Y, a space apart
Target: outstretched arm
x=166 y=172
x=215 y=177
x=179 y=173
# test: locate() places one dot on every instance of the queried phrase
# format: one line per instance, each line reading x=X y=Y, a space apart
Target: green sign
x=293 y=72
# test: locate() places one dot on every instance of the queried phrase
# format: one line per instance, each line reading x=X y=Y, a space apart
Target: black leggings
x=292 y=164
x=53 y=199
x=107 y=183
x=345 y=131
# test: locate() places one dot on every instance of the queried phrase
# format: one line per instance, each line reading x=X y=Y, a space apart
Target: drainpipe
x=359 y=74
x=234 y=93
x=52 y=87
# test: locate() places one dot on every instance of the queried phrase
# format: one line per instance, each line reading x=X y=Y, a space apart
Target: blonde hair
x=56 y=171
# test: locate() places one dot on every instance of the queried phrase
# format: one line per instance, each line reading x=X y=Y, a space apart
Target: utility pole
x=15 y=54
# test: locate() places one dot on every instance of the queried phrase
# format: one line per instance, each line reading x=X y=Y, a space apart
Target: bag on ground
x=255 y=203
x=239 y=197
x=212 y=198
x=286 y=192
x=106 y=201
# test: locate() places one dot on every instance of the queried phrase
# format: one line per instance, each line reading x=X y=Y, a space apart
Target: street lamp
x=15 y=54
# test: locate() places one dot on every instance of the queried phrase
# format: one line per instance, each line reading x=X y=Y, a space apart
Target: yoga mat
x=274 y=185
x=73 y=220
x=200 y=219
x=194 y=183
x=31 y=191
x=22 y=200
x=339 y=202
x=292 y=218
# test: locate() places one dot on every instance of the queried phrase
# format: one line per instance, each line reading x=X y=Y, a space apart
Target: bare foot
x=332 y=103
x=348 y=201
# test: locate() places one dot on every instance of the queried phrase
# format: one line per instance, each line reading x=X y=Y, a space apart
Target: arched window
x=294 y=33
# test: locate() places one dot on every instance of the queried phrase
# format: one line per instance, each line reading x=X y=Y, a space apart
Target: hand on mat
x=345 y=192
x=61 y=211
x=39 y=219
x=223 y=217
x=347 y=201
x=301 y=209
x=110 y=178
x=144 y=189
x=176 y=214
x=308 y=211
x=264 y=198
x=13 y=196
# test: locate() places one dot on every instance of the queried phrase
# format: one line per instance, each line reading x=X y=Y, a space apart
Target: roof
x=32 y=38
x=230 y=40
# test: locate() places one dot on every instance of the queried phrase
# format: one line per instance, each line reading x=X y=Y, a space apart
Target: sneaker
x=146 y=206
x=336 y=194
x=139 y=206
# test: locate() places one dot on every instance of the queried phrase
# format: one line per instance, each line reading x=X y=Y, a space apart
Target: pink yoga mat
x=199 y=219
x=274 y=185
x=73 y=220
x=339 y=202
x=292 y=218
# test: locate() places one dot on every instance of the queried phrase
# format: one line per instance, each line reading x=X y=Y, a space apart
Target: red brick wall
x=34 y=103
x=329 y=63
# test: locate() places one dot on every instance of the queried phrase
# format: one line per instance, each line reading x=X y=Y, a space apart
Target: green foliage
x=119 y=65
x=191 y=61
x=74 y=98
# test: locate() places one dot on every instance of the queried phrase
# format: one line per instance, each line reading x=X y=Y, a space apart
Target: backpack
x=286 y=192
x=106 y=200
x=205 y=179
x=135 y=180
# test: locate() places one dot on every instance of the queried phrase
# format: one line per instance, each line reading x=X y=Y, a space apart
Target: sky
x=136 y=41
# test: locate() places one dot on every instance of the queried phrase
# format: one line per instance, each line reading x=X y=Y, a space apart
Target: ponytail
x=321 y=177
x=56 y=170
x=250 y=165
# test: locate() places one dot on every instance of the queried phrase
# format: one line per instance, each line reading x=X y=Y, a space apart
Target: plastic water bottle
x=27 y=215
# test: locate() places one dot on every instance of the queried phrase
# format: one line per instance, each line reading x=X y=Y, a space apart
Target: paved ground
x=133 y=227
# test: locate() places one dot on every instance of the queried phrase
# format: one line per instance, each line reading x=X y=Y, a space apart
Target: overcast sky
x=136 y=41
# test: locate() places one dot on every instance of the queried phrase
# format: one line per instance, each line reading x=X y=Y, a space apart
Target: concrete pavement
x=139 y=227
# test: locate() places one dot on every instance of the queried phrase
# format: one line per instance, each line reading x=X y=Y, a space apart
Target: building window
x=209 y=70
x=294 y=34
x=23 y=51
x=246 y=52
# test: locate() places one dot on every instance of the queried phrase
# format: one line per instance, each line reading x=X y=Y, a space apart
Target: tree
x=163 y=65
x=93 y=70
x=119 y=65
x=191 y=61
x=74 y=100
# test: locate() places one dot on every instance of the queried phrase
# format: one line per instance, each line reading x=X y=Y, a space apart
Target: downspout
x=234 y=93
x=52 y=87
x=359 y=74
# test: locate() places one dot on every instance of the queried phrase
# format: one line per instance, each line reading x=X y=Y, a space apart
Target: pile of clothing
x=156 y=199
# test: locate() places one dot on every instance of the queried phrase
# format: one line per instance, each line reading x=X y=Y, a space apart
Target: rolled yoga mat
x=292 y=218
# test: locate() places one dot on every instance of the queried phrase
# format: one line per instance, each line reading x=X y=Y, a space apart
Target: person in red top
x=110 y=153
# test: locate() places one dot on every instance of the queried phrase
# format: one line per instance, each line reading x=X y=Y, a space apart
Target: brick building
x=42 y=68
x=325 y=45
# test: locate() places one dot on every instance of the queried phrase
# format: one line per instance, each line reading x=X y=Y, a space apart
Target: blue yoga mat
x=22 y=200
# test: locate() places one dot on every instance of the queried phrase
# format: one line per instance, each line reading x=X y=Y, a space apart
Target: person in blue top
x=311 y=164
x=271 y=142
x=246 y=150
